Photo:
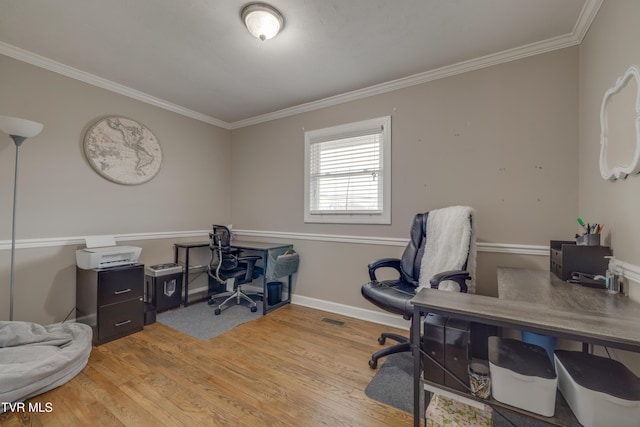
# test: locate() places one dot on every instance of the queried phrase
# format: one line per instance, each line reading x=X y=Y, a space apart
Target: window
x=348 y=173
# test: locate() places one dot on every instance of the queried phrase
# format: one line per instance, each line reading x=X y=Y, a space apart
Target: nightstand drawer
x=118 y=320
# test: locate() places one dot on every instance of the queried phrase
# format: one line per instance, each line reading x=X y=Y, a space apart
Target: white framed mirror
x=620 y=127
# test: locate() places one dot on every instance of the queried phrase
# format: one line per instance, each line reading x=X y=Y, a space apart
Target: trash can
x=274 y=292
x=163 y=286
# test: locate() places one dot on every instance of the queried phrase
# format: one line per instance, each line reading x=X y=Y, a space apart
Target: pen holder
x=588 y=240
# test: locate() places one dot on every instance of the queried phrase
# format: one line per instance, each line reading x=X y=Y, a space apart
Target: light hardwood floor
x=288 y=368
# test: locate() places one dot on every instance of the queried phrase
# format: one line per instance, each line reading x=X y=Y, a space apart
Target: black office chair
x=394 y=295
x=225 y=264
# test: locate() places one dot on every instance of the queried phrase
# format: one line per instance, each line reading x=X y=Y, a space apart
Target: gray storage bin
x=522 y=375
x=600 y=391
x=282 y=263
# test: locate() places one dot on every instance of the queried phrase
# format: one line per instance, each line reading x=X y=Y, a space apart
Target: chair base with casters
x=237 y=295
x=395 y=296
x=403 y=346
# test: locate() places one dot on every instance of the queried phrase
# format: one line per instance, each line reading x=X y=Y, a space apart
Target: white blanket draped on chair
x=450 y=243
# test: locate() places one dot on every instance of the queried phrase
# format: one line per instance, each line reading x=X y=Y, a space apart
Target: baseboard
x=350 y=311
x=332 y=307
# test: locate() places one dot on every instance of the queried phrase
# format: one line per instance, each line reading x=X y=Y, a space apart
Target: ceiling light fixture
x=262 y=20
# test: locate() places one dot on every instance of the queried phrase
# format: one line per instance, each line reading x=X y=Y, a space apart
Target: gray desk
x=536 y=301
x=264 y=250
x=260 y=248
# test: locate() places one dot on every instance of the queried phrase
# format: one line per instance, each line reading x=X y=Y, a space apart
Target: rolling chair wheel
x=210 y=302
x=216 y=311
x=382 y=340
x=254 y=309
x=373 y=364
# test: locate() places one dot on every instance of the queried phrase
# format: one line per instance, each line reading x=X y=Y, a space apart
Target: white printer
x=102 y=252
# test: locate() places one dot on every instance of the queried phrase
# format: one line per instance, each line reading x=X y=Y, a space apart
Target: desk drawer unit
x=111 y=301
x=566 y=257
x=119 y=320
x=119 y=286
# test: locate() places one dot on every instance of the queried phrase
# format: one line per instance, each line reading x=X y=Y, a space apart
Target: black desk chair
x=394 y=295
x=225 y=264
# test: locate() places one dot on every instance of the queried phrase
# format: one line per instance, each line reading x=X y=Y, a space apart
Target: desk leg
x=186 y=278
x=415 y=344
x=265 y=301
x=176 y=260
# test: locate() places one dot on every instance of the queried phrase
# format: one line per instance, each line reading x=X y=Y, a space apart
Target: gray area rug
x=199 y=321
x=393 y=385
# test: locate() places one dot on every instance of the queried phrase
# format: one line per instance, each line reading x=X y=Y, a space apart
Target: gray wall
x=609 y=48
x=502 y=139
x=607 y=51
x=518 y=141
x=61 y=197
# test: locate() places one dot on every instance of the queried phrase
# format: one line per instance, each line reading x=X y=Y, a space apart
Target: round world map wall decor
x=122 y=150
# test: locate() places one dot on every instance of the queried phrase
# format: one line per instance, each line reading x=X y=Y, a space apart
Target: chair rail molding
x=631 y=271
x=507 y=248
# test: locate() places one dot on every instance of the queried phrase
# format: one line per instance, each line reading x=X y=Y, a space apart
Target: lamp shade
x=262 y=20
x=19 y=127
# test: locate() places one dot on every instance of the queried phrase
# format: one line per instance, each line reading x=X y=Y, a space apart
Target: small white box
x=522 y=375
x=600 y=391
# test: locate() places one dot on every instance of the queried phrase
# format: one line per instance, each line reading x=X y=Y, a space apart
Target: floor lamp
x=18 y=130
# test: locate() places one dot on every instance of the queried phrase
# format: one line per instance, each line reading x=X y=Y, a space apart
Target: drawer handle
x=123 y=323
x=124 y=291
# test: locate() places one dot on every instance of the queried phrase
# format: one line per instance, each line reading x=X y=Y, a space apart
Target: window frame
x=341 y=132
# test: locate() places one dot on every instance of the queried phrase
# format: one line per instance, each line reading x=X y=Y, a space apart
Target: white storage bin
x=522 y=375
x=600 y=391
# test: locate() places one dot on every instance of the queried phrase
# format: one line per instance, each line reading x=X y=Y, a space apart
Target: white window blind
x=347 y=172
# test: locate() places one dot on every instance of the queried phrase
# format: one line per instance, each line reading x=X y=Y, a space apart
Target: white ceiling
x=195 y=57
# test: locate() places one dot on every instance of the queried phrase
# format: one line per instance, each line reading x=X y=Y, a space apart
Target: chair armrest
x=249 y=258
x=458 y=276
x=383 y=263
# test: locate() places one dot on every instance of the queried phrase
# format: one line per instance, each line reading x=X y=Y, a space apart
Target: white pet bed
x=36 y=358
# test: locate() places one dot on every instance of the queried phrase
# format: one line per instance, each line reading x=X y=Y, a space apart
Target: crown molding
x=67 y=71
x=585 y=19
x=587 y=15
x=416 y=79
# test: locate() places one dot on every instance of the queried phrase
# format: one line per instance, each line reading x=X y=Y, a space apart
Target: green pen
x=582 y=224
